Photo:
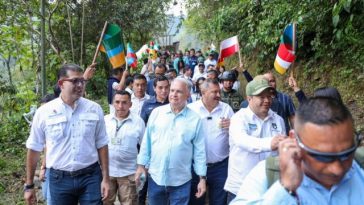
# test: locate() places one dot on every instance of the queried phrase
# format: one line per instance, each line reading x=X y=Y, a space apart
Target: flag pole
x=99 y=44
x=293 y=47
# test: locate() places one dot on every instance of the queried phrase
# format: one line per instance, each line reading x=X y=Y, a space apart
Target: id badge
x=115 y=141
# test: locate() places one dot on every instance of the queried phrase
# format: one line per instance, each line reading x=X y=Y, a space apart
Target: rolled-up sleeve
x=100 y=132
x=36 y=139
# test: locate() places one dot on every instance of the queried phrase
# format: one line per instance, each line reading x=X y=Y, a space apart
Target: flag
x=141 y=51
x=227 y=48
x=131 y=57
x=113 y=46
x=220 y=62
x=286 y=50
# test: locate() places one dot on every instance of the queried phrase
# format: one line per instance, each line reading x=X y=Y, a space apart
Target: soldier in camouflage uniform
x=228 y=94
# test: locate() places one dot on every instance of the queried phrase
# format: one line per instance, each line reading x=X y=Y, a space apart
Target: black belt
x=79 y=172
x=217 y=163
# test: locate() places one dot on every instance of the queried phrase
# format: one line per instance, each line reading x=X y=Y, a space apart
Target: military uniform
x=232 y=98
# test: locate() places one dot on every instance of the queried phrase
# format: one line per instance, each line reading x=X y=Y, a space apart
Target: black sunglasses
x=75 y=81
x=327 y=157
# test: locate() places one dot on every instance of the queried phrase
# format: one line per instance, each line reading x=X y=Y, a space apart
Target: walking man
x=125 y=131
x=172 y=141
x=74 y=130
x=215 y=116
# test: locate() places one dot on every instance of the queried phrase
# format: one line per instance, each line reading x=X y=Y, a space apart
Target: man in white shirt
x=200 y=72
x=210 y=61
x=73 y=130
x=254 y=132
x=215 y=116
x=125 y=131
x=139 y=96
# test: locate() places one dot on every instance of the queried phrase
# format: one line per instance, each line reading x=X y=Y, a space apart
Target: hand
x=241 y=68
x=42 y=175
x=140 y=170
x=105 y=188
x=125 y=73
x=201 y=188
x=293 y=84
x=290 y=158
x=89 y=72
x=30 y=197
x=224 y=123
x=275 y=141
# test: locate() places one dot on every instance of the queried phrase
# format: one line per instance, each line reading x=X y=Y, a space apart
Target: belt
x=79 y=172
x=217 y=163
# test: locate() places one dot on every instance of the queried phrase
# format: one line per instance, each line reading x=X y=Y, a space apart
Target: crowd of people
x=180 y=132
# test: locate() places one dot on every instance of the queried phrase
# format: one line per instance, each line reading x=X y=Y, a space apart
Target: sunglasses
x=75 y=81
x=327 y=157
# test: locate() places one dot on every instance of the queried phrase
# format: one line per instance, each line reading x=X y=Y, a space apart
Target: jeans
x=168 y=195
x=142 y=195
x=82 y=186
x=230 y=197
x=45 y=188
x=215 y=181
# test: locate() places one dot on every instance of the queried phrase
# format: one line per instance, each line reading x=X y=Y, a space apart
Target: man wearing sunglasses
x=73 y=130
x=316 y=161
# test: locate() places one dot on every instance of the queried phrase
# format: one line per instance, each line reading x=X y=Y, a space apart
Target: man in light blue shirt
x=172 y=142
x=316 y=161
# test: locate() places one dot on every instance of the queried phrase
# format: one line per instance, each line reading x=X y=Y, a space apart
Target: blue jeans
x=82 y=186
x=216 y=177
x=45 y=188
x=168 y=195
x=230 y=197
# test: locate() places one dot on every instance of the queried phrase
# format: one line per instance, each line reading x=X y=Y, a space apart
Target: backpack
x=272 y=165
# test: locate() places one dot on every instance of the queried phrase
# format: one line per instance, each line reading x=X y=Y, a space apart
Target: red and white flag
x=228 y=47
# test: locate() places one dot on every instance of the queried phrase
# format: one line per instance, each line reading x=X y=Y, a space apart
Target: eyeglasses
x=75 y=81
x=327 y=157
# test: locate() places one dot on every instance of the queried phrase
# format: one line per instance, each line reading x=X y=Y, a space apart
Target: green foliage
x=327 y=30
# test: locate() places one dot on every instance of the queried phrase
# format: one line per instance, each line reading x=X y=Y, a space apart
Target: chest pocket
x=54 y=127
x=275 y=129
x=88 y=124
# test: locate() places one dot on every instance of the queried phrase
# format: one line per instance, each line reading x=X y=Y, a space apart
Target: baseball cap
x=257 y=86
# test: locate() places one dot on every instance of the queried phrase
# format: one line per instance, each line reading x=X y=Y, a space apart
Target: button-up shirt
x=124 y=136
x=149 y=106
x=137 y=103
x=216 y=138
x=72 y=136
x=170 y=143
x=250 y=142
x=254 y=190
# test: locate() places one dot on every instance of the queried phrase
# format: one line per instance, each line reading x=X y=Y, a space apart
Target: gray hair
x=206 y=84
x=184 y=81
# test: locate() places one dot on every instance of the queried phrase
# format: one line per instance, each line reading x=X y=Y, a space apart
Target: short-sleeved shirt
x=124 y=136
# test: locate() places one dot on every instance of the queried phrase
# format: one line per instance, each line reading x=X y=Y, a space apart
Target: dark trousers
x=216 y=177
x=79 y=187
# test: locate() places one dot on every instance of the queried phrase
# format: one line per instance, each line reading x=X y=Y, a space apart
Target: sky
x=176 y=9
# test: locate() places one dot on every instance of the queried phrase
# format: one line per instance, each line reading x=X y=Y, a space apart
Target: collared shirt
x=216 y=138
x=137 y=103
x=348 y=191
x=170 y=143
x=124 y=136
x=149 y=106
x=250 y=142
x=72 y=136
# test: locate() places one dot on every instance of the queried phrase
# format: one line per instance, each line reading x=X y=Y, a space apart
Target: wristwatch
x=28 y=187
